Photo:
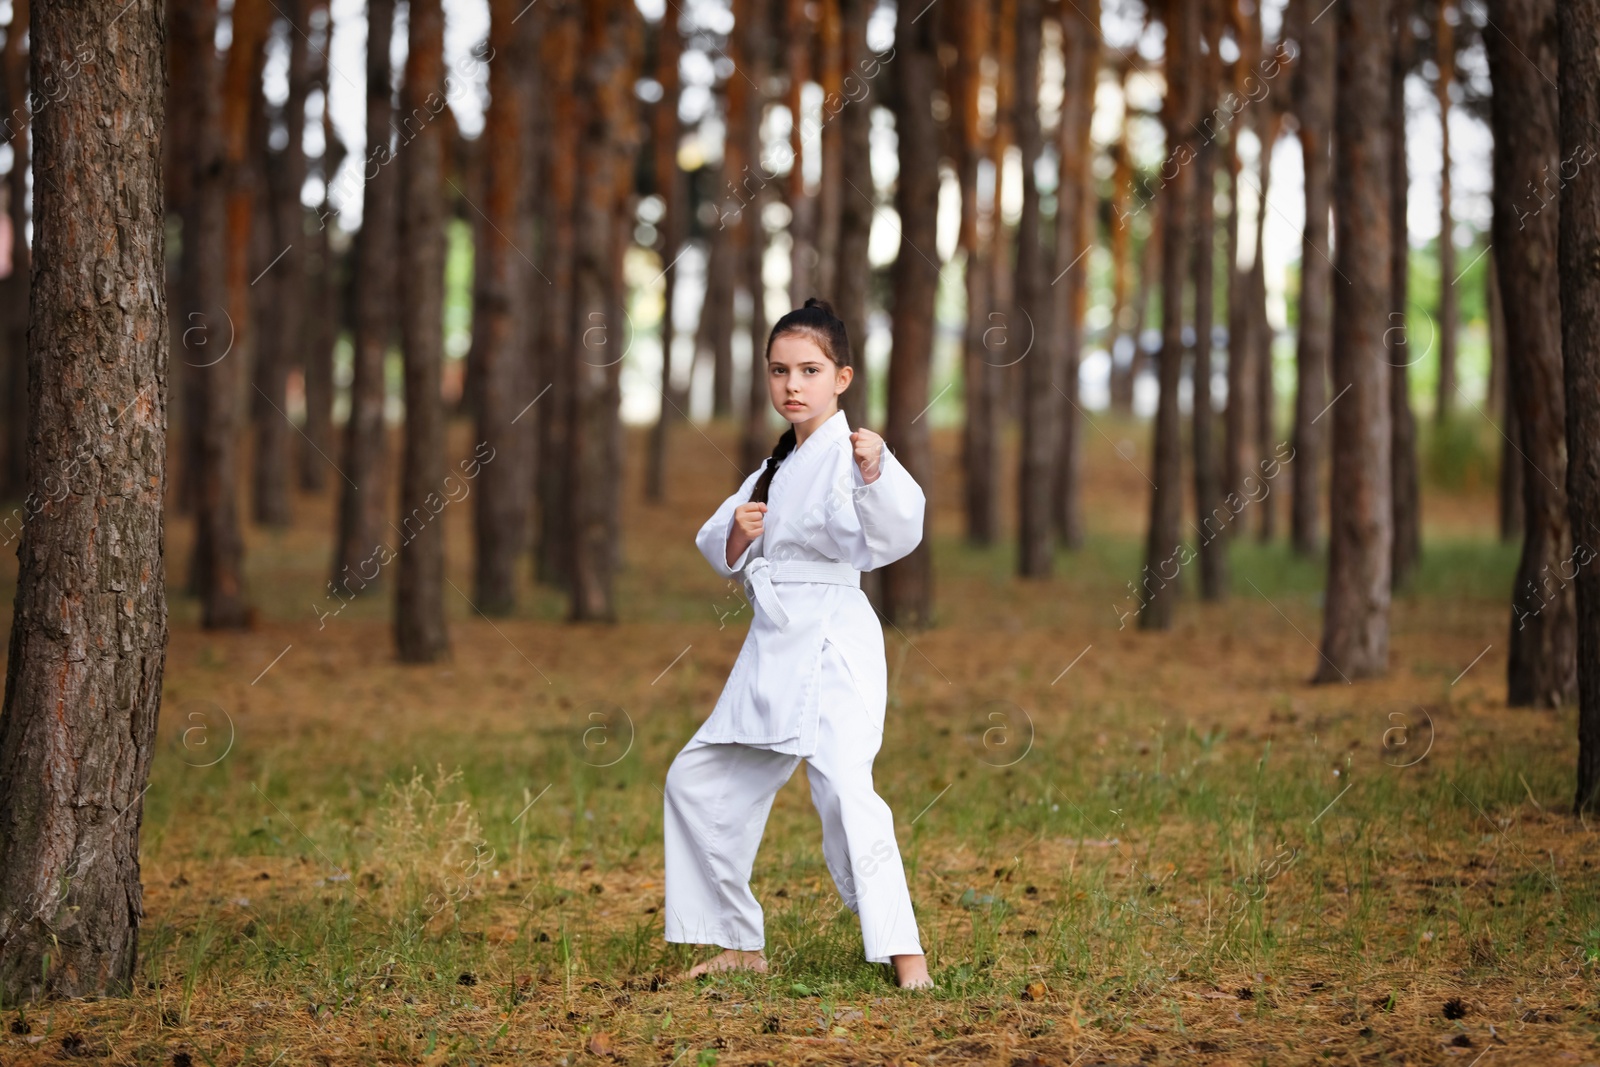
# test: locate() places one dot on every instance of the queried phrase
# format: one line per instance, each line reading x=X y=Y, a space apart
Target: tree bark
x=504 y=421
x=1314 y=108
x=419 y=625
x=363 y=495
x=283 y=337
x=670 y=186
x=1541 y=668
x=1509 y=481
x=1445 y=58
x=1406 y=547
x=1163 y=542
x=225 y=330
x=1036 y=468
x=89 y=632
x=980 y=223
x=1075 y=234
x=1209 y=504
x=1355 y=637
x=558 y=211
x=599 y=331
x=1578 y=255
x=856 y=209
x=908 y=582
x=14 y=288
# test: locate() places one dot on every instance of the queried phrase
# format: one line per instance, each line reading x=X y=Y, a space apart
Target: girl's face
x=804 y=383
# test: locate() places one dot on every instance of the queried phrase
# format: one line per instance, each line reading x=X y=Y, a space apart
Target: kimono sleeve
x=883 y=520
x=712 y=539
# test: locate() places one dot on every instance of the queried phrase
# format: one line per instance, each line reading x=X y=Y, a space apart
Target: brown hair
x=816 y=322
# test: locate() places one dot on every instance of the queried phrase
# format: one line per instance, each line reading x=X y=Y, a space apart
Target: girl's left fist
x=869 y=454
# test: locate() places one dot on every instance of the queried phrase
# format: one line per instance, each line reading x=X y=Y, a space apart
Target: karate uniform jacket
x=823 y=521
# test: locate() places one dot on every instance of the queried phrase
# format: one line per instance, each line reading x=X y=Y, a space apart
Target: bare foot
x=911 y=971
x=730 y=959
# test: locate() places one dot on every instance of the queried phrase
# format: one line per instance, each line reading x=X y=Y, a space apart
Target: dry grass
x=1177 y=851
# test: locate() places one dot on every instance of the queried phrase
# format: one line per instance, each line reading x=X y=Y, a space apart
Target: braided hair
x=816 y=322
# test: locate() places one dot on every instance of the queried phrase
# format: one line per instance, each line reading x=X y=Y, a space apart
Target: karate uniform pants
x=718 y=796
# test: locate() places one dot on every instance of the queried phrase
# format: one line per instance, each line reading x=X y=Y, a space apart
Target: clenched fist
x=747 y=526
x=869 y=454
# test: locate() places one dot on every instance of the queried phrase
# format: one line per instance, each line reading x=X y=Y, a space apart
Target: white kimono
x=810 y=682
x=823 y=525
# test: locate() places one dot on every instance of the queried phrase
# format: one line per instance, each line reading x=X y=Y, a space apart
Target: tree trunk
x=282 y=343
x=419 y=625
x=1314 y=108
x=1406 y=547
x=1036 y=469
x=1208 y=496
x=1579 y=252
x=797 y=33
x=225 y=329
x=1123 y=318
x=598 y=333
x=670 y=186
x=1075 y=232
x=979 y=456
x=908 y=582
x=854 y=271
x=1445 y=57
x=1239 y=436
x=1163 y=542
x=558 y=211
x=89 y=630
x=1355 y=636
x=1541 y=668
x=505 y=423
x=363 y=495
x=1269 y=122
x=1509 y=481
x=14 y=289
x=749 y=48
x=830 y=191
x=327 y=288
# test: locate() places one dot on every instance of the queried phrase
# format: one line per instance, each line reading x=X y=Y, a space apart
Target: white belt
x=760 y=574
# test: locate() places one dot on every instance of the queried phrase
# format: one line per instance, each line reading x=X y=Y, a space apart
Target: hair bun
x=818 y=302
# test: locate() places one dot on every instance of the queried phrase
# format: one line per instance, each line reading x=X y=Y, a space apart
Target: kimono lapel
x=795 y=474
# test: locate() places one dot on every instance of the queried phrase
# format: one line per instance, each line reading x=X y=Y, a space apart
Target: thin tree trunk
x=853 y=270
x=558 y=212
x=283 y=337
x=14 y=289
x=419 y=625
x=1445 y=57
x=908 y=582
x=89 y=630
x=1355 y=636
x=327 y=286
x=1123 y=318
x=670 y=186
x=797 y=33
x=365 y=463
x=1579 y=251
x=750 y=47
x=1314 y=108
x=1541 y=668
x=225 y=338
x=1208 y=496
x=830 y=191
x=1268 y=125
x=1075 y=232
x=1163 y=542
x=1239 y=437
x=504 y=421
x=1509 y=482
x=1406 y=547
x=1036 y=468
x=598 y=333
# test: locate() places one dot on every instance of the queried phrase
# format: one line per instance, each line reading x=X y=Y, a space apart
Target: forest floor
x=1123 y=847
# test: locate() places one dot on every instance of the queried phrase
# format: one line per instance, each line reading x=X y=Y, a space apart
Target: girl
x=810 y=681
